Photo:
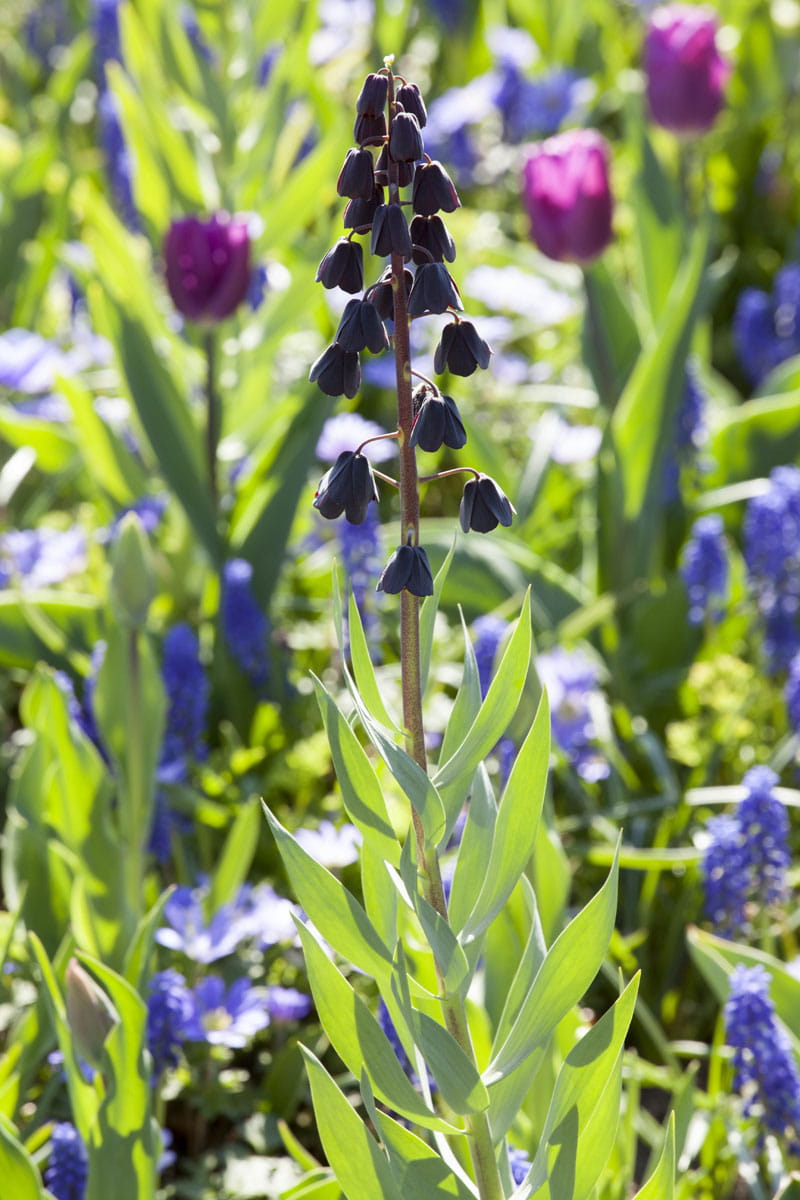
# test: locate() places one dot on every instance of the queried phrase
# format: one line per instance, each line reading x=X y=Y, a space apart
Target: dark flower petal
x=360 y=327
x=368 y=128
x=208 y=266
x=437 y=421
x=434 y=190
x=405 y=138
x=409 y=96
x=461 y=350
x=357 y=177
x=348 y=487
x=337 y=372
x=408 y=569
x=430 y=233
x=343 y=266
x=372 y=97
x=382 y=296
x=405 y=170
x=390 y=233
x=359 y=213
x=434 y=291
x=484 y=506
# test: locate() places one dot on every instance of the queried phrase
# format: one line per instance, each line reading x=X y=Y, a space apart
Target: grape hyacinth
x=747 y=857
x=119 y=165
x=187 y=691
x=244 y=623
x=766 y=327
x=170 y=1009
x=792 y=694
x=576 y=702
x=689 y=436
x=765 y=1069
x=772 y=556
x=67 y=1171
x=704 y=569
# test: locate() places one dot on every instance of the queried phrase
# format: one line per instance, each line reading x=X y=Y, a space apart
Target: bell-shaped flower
x=434 y=291
x=348 y=487
x=407 y=570
x=343 y=266
x=434 y=190
x=357 y=177
x=461 y=350
x=337 y=372
x=408 y=94
x=373 y=95
x=390 y=234
x=405 y=138
x=361 y=328
x=431 y=235
x=437 y=422
x=484 y=505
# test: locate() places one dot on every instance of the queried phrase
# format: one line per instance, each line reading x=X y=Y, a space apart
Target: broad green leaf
x=359 y=1164
x=568 y=969
x=137 y=958
x=110 y=462
x=362 y=794
x=237 y=855
x=497 y=709
x=584 y=1111
x=358 y=1039
x=610 y=337
x=661 y=1184
x=517 y=822
x=418 y=1170
x=54 y=450
x=380 y=900
x=474 y=850
x=21 y=643
x=337 y=915
x=427 y=618
x=363 y=670
x=658 y=226
x=450 y=957
x=20 y=1178
x=466 y=704
x=749 y=440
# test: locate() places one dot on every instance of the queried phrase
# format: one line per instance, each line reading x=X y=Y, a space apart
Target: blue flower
x=149 y=509
x=68 y=1168
x=170 y=1011
x=538 y=106
x=35 y=558
x=489 y=632
x=227 y=1016
x=346 y=431
x=105 y=26
x=187 y=690
x=704 y=569
x=765 y=828
x=266 y=915
x=119 y=164
x=331 y=846
x=287 y=1004
x=28 y=362
x=726 y=877
x=689 y=434
x=202 y=940
x=362 y=556
x=765 y=1069
x=519 y=1163
x=766 y=328
x=792 y=694
x=244 y=623
x=576 y=704
x=771 y=533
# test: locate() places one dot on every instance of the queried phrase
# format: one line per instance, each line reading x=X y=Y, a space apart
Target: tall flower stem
x=213 y=413
x=136 y=808
x=479 y=1135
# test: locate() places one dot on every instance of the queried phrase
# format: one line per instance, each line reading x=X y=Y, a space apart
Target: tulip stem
x=601 y=351
x=478 y=1131
x=213 y=414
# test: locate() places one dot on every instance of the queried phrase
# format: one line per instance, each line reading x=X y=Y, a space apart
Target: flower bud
x=484 y=505
x=461 y=350
x=685 y=72
x=381 y=295
x=431 y=235
x=372 y=97
x=361 y=328
x=405 y=170
x=409 y=96
x=390 y=233
x=369 y=129
x=433 y=191
x=568 y=196
x=337 y=372
x=132 y=576
x=90 y=1014
x=359 y=213
x=357 y=176
x=434 y=291
x=407 y=570
x=348 y=487
x=207 y=266
x=343 y=266
x=405 y=138
x=437 y=421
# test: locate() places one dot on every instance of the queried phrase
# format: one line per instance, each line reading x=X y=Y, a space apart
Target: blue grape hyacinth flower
x=766 y=1072
x=704 y=569
x=766 y=326
x=67 y=1171
x=576 y=703
x=170 y=1010
x=244 y=623
x=771 y=534
x=187 y=690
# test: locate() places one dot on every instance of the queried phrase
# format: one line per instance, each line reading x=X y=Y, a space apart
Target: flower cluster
x=766 y=1072
x=416 y=283
x=772 y=556
x=244 y=623
x=187 y=690
x=766 y=326
x=68 y=1168
x=577 y=707
x=690 y=433
x=704 y=569
x=119 y=164
x=747 y=856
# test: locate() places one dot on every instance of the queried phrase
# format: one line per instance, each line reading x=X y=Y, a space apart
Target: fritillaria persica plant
x=437 y=1104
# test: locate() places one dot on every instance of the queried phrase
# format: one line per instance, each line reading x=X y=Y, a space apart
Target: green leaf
x=584 y=1112
x=474 y=850
x=749 y=440
x=659 y=231
x=427 y=618
x=497 y=709
x=110 y=462
x=380 y=900
x=137 y=958
x=337 y=915
x=418 y=1170
x=517 y=822
x=22 y=643
x=360 y=1167
x=363 y=670
x=467 y=702
x=661 y=1184
x=610 y=337
x=362 y=794
x=237 y=855
x=20 y=1177
x=450 y=957
x=568 y=969
x=358 y=1039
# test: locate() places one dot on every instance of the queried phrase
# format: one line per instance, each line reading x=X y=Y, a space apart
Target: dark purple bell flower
x=369 y=129
x=461 y=350
x=361 y=328
x=390 y=233
x=434 y=291
x=434 y=190
x=405 y=170
x=405 y=138
x=407 y=570
x=357 y=176
x=372 y=97
x=343 y=266
x=348 y=487
x=437 y=422
x=207 y=266
x=382 y=296
x=337 y=372
x=431 y=235
x=484 y=505
x=409 y=96
x=359 y=213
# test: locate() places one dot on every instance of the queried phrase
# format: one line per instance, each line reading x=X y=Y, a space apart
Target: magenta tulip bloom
x=568 y=196
x=207 y=266
x=685 y=72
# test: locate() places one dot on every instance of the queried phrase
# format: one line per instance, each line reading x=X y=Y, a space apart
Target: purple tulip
x=686 y=74
x=208 y=266
x=568 y=196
